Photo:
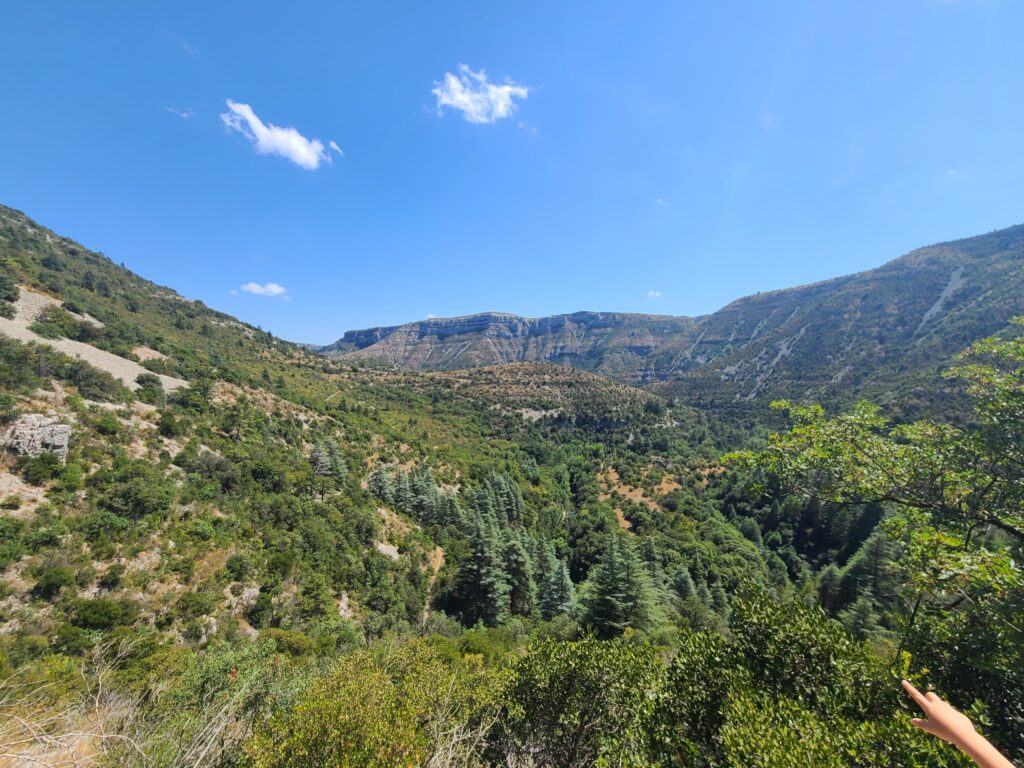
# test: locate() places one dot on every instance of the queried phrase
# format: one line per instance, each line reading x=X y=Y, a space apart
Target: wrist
x=972 y=740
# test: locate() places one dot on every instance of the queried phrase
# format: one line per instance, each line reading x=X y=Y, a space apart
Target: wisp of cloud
x=479 y=100
x=269 y=289
x=270 y=139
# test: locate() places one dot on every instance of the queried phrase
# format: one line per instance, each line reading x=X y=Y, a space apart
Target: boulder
x=34 y=433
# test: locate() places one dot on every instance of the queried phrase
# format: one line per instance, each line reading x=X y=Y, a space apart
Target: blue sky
x=661 y=157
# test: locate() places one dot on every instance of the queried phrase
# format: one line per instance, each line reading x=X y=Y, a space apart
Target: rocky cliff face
x=608 y=342
x=34 y=433
x=876 y=330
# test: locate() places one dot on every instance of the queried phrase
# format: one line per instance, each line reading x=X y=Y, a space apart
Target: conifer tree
x=861 y=619
x=382 y=486
x=336 y=463
x=481 y=587
x=621 y=594
x=829 y=594
x=519 y=569
x=684 y=585
x=558 y=594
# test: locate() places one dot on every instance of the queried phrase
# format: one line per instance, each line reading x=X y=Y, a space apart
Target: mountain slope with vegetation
x=276 y=558
x=884 y=332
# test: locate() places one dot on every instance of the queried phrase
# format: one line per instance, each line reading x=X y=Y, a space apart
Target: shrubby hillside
x=246 y=553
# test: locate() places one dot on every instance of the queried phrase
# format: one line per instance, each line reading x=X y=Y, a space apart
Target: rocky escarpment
x=614 y=343
x=882 y=330
x=34 y=433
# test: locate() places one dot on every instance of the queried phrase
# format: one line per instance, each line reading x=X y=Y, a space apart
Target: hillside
x=883 y=331
x=178 y=470
x=215 y=543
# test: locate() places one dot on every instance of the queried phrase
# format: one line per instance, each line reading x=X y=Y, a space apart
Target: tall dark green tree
x=519 y=570
x=482 y=592
x=558 y=595
x=620 y=594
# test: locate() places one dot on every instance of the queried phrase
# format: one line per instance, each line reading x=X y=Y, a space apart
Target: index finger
x=915 y=694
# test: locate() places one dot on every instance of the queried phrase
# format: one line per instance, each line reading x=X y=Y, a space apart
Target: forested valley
x=243 y=553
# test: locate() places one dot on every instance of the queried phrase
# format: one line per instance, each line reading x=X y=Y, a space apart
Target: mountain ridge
x=893 y=323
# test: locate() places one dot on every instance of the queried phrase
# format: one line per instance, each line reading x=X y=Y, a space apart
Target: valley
x=207 y=532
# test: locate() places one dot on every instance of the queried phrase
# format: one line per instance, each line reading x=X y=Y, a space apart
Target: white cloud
x=479 y=100
x=664 y=203
x=334 y=147
x=268 y=289
x=270 y=139
x=652 y=294
x=184 y=114
x=431 y=315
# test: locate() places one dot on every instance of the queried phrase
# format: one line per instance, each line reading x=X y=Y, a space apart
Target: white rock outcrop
x=34 y=433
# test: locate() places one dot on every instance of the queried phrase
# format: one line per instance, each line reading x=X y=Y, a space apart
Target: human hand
x=955 y=727
x=944 y=720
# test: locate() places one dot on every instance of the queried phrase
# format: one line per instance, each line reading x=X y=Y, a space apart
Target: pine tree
x=449 y=510
x=861 y=619
x=519 y=570
x=621 y=594
x=558 y=595
x=382 y=486
x=683 y=584
x=829 y=594
x=870 y=571
x=719 y=600
x=320 y=461
x=481 y=588
x=338 y=468
x=321 y=466
x=403 y=493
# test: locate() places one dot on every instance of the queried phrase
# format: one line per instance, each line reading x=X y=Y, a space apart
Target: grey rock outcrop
x=35 y=433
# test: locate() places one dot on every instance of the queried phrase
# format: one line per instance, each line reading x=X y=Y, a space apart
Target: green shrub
x=52 y=581
x=578 y=704
x=238 y=567
x=195 y=604
x=12 y=542
x=71 y=640
x=8 y=409
x=40 y=469
x=111 y=578
x=386 y=707
x=108 y=425
x=132 y=489
x=289 y=641
x=102 y=613
x=151 y=389
x=169 y=426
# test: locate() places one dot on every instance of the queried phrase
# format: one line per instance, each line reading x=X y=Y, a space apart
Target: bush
x=151 y=389
x=108 y=425
x=8 y=290
x=71 y=640
x=238 y=567
x=52 y=581
x=577 y=704
x=8 y=409
x=289 y=641
x=132 y=489
x=385 y=707
x=101 y=613
x=111 y=579
x=40 y=469
x=170 y=426
x=194 y=604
